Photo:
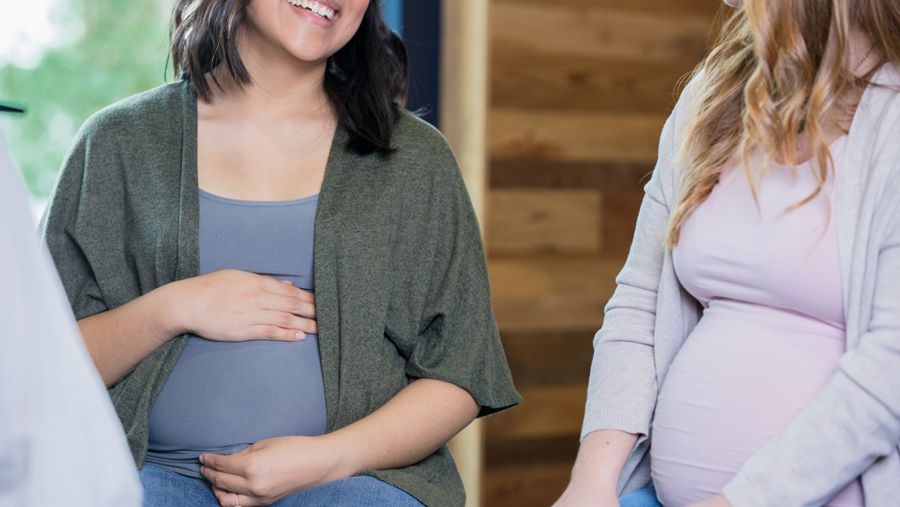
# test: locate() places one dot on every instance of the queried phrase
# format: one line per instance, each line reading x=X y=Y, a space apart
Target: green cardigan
x=402 y=287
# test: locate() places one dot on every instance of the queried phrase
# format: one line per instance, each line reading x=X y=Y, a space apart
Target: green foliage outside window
x=112 y=49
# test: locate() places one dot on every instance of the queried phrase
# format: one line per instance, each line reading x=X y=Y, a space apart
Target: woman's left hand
x=716 y=501
x=270 y=469
x=418 y=420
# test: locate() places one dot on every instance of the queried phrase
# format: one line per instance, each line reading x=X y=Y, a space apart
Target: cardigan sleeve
x=855 y=419
x=622 y=389
x=63 y=227
x=457 y=339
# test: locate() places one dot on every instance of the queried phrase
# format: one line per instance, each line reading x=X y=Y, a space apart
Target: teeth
x=314 y=7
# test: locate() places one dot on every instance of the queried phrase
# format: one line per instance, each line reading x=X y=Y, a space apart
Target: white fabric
x=61 y=443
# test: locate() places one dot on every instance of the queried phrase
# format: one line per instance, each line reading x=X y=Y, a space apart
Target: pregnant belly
x=740 y=378
x=222 y=395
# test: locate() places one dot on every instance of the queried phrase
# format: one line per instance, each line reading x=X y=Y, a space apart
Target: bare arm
x=408 y=428
x=595 y=475
x=120 y=338
x=226 y=305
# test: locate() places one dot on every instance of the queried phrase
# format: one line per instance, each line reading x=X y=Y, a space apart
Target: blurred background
x=554 y=110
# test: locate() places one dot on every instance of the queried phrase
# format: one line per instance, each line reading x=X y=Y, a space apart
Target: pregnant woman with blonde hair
x=751 y=353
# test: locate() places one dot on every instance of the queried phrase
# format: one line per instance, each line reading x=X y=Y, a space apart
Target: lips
x=317 y=7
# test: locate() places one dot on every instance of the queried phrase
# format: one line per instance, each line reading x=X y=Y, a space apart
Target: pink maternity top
x=771 y=333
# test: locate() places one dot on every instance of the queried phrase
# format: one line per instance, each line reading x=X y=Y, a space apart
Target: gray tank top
x=222 y=397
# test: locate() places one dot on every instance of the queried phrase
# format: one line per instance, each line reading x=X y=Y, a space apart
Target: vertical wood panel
x=464 y=89
x=463 y=113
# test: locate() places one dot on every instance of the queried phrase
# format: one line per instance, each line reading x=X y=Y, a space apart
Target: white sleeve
x=61 y=442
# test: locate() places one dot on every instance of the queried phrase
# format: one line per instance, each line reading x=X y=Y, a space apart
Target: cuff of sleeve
x=743 y=491
x=635 y=420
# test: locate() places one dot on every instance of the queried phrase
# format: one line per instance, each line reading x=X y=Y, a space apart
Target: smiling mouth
x=314 y=7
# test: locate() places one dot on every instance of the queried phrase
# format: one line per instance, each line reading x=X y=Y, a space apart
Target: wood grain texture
x=552 y=293
x=537 y=486
x=586 y=83
x=544 y=221
x=695 y=7
x=531 y=451
x=580 y=91
x=574 y=136
x=608 y=177
x=546 y=412
x=550 y=358
x=620 y=212
x=535 y=29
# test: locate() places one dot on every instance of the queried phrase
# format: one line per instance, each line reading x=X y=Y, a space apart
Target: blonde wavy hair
x=779 y=67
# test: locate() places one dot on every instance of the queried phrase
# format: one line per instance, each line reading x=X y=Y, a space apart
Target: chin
x=310 y=49
x=285 y=26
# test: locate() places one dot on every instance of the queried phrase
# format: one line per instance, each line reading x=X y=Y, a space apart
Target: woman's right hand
x=234 y=306
x=225 y=305
x=600 y=460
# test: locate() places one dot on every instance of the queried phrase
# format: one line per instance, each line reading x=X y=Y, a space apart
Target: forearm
x=411 y=426
x=120 y=338
x=600 y=460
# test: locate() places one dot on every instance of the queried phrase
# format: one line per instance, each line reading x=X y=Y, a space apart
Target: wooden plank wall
x=579 y=92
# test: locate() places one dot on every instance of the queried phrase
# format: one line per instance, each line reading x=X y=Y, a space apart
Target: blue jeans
x=166 y=489
x=641 y=498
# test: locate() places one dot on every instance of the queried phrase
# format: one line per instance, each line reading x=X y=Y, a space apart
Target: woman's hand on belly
x=271 y=469
x=233 y=306
x=226 y=305
x=413 y=424
x=716 y=501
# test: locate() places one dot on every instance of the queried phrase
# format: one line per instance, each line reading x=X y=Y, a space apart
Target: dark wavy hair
x=367 y=80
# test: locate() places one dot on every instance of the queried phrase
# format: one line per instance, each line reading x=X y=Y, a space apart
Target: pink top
x=770 y=337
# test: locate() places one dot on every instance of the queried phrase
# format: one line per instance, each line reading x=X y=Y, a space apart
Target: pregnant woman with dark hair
x=277 y=270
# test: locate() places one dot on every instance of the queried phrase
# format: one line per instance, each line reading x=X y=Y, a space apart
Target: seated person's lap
x=641 y=498
x=165 y=489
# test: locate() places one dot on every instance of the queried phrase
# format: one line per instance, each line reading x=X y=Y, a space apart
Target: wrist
x=601 y=458
x=348 y=458
x=597 y=483
x=165 y=312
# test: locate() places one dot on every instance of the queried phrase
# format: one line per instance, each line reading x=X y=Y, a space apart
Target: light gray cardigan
x=852 y=427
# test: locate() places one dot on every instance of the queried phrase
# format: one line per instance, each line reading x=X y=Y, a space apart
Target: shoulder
x=129 y=137
x=667 y=175
x=687 y=101
x=417 y=142
x=422 y=159
x=881 y=103
x=873 y=147
x=143 y=114
x=876 y=124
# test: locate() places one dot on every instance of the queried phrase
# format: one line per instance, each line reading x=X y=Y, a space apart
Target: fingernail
x=201 y=459
x=300 y=336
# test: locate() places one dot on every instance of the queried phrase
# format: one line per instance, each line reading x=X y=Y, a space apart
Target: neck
x=282 y=88
x=863 y=58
